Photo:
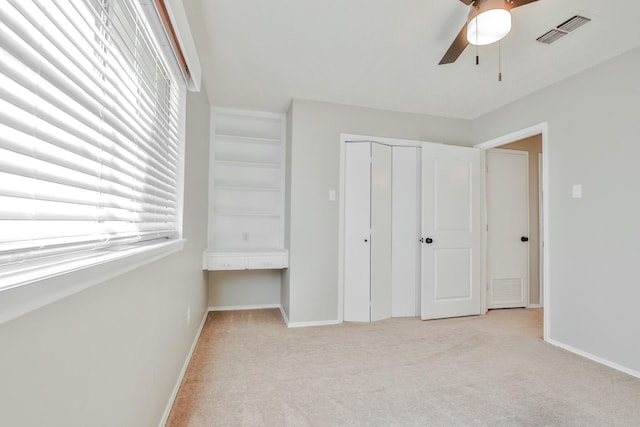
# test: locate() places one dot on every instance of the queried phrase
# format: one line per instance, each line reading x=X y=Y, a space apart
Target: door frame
x=537 y=129
x=344 y=138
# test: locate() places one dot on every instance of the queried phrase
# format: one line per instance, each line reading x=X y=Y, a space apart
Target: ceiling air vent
x=573 y=23
x=551 y=36
x=563 y=29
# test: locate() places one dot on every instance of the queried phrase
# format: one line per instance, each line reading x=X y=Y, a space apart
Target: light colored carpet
x=493 y=370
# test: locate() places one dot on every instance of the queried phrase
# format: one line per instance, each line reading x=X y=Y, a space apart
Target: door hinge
x=487 y=227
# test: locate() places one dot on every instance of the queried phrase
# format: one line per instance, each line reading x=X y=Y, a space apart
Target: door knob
x=366 y=240
x=524 y=239
x=428 y=240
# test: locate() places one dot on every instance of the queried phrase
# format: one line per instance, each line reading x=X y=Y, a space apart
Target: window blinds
x=91 y=128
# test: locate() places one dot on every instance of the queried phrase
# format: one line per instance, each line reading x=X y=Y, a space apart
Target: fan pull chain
x=477 y=55
x=499 y=61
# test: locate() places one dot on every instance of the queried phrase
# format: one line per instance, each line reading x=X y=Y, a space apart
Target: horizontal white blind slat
x=17 y=186
x=90 y=50
x=48 y=234
x=47 y=162
x=130 y=125
x=124 y=147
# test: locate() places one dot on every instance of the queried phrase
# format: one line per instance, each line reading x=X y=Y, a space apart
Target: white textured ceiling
x=384 y=53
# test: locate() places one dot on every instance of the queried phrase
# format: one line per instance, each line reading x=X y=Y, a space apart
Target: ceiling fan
x=488 y=22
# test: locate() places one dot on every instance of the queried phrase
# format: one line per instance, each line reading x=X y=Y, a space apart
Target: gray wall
x=314 y=153
x=286 y=278
x=594 y=131
x=89 y=359
x=251 y=288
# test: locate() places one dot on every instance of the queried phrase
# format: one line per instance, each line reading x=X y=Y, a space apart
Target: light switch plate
x=576 y=191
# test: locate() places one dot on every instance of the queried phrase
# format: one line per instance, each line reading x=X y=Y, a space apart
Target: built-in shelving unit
x=246 y=200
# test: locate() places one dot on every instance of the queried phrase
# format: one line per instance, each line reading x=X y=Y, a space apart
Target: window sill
x=61 y=281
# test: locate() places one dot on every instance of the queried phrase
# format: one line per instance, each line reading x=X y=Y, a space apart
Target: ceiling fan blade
x=456 y=48
x=517 y=3
x=467 y=2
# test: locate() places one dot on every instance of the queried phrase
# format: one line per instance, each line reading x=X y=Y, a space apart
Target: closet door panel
x=405 y=245
x=357 y=258
x=380 y=232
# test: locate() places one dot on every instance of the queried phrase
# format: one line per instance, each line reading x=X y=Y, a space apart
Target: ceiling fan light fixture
x=489 y=21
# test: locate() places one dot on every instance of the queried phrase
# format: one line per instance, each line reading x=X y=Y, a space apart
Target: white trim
x=543 y=130
x=20 y=300
x=176 y=388
x=247 y=113
x=540 y=128
x=178 y=18
x=344 y=137
x=484 y=276
x=244 y=307
x=597 y=359
x=341 y=219
x=541 y=192
x=284 y=315
x=308 y=324
x=534 y=306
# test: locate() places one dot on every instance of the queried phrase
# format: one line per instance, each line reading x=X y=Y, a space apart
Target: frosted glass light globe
x=489 y=27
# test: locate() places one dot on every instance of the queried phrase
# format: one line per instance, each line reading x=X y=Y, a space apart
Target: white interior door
x=508 y=228
x=357 y=237
x=380 y=231
x=405 y=248
x=451 y=231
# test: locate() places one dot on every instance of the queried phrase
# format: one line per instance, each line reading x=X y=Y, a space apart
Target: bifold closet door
x=367 y=267
x=357 y=234
x=405 y=246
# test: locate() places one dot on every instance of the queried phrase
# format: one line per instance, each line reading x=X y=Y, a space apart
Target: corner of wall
x=286 y=279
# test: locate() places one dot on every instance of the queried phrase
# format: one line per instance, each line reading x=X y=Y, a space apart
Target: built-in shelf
x=240 y=212
x=249 y=139
x=246 y=200
x=243 y=259
x=242 y=187
x=247 y=163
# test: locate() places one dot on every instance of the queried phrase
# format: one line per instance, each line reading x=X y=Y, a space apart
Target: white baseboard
x=282 y=312
x=284 y=316
x=597 y=359
x=244 y=307
x=176 y=388
x=534 y=306
x=307 y=324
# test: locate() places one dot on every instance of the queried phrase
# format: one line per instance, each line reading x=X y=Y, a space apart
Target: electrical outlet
x=188 y=314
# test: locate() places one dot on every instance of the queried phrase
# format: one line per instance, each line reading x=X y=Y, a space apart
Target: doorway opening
x=533 y=144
